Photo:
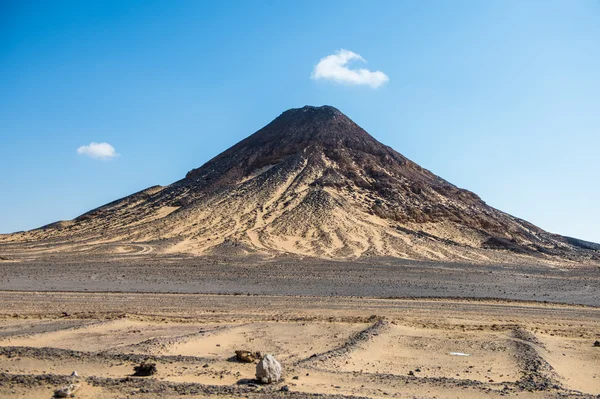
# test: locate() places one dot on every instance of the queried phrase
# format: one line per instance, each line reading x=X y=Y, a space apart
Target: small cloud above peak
x=95 y=150
x=334 y=67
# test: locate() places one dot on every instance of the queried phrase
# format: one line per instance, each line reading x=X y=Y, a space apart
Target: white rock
x=67 y=391
x=74 y=374
x=268 y=370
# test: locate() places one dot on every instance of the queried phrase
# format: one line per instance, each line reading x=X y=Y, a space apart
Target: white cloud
x=335 y=67
x=98 y=151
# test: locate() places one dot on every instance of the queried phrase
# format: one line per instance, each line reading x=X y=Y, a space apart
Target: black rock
x=145 y=369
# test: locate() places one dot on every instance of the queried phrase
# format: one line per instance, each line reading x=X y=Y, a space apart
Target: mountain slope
x=312 y=182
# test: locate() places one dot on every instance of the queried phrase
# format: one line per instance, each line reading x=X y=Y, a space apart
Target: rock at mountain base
x=247 y=356
x=145 y=369
x=65 y=392
x=268 y=370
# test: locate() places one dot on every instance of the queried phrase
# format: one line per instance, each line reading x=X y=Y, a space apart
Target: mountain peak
x=317 y=121
x=323 y=111
x=295 y=131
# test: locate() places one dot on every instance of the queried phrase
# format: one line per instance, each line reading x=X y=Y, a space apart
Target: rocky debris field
x=377 y=277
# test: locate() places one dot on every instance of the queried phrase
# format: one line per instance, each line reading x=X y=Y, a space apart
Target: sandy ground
x=337 y=346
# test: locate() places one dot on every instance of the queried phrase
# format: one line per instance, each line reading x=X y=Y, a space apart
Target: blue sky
x=499 y=97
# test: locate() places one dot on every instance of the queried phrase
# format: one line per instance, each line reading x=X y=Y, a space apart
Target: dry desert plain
x=376 y=328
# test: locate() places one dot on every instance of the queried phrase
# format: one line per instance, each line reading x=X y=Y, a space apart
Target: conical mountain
x=312 y=182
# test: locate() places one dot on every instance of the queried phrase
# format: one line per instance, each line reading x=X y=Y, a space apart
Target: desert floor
x=338 y=346
x=340 y=329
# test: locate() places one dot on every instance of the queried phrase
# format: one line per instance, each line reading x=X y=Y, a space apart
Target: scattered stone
x=145 y=369
x=597 y=344
x=285 y=388
x=268 y=370
x=296 y=377
x=74 y=374
x=66 y=392
x=411 y=372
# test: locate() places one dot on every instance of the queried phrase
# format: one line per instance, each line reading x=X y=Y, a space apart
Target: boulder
x=268 y=370
x=66 y=392
x=144 y=369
